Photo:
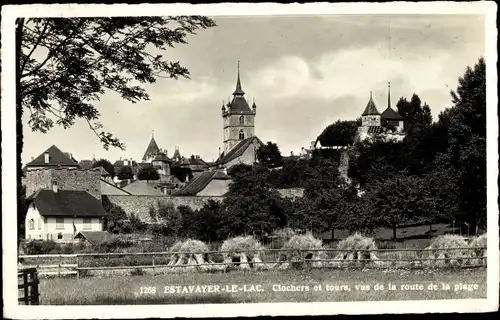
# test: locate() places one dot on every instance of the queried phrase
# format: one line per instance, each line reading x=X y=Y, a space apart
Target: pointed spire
x=254 y=106
x=223 y=106
x=152 y=134
x=238 y=91
x=389 y=96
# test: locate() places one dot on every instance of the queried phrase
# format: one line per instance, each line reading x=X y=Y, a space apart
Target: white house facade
x=60 y=214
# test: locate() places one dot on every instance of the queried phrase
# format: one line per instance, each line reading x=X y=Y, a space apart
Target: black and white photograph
x=249 y=159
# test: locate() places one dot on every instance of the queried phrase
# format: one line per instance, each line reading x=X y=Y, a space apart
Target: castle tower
x=152 y=150
x=238 y=118
x=370 y=117
x=390 y=117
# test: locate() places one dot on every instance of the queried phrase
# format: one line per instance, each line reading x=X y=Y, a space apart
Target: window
x=242 y=135
x=59 y=223
x=39 y=224
x=242 y=120
x=31 y=224
x=59 y=236
x=87 y=224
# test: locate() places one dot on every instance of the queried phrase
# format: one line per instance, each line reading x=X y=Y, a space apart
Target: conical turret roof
x=371 y=109
x=152 y=149
x=389 y=113
x=239 y=104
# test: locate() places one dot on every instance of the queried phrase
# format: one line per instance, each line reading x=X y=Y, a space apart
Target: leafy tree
x=106 y=165
x=467 y=146
x=63 y=66
x=415 y=115
x=181 y=173
x=340 y=133
x=170 y=218
x=84 y=57
x=125 y=173
x=239 y=169
x=205 y=223
x=269 y=155
x=148 y=173
x=115 y=220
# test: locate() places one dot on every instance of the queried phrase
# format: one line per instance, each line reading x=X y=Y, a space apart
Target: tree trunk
x=19 y=123
x=394 y=233
x=333 y=234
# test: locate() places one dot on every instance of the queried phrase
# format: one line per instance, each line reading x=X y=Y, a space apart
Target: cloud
x=184 y=90
x=345 y=73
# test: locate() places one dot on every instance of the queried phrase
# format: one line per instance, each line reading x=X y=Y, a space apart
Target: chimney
x=55 y=187
x=291 y=153
x=312 y=144
x=32 y=158
x=47 y=157
x=125 y=162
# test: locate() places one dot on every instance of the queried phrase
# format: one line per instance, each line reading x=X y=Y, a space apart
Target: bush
x=36 y=247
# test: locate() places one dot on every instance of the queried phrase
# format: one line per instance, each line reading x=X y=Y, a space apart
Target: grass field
x=253 y=287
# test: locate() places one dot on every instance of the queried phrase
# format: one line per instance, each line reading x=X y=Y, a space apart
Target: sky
x=305 y=72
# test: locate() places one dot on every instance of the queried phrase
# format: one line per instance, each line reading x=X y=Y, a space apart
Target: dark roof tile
x=238 y=150
x=67 y=203
x=56 y=158
x=371 y=109
x=391 y=114
x=151 y=150
x=95 y=237
x=200 y=182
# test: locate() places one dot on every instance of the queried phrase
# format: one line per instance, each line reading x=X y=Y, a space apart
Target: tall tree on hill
x=106 y=165
x=339 y=133
x=467 y=152
x=269 y=155
x=416 y=116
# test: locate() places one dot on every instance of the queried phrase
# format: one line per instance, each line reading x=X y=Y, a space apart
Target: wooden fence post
x=77 y=268
x=26 y=287
x=154 y=273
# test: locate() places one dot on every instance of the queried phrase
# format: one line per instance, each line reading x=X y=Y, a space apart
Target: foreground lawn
x=266 y=286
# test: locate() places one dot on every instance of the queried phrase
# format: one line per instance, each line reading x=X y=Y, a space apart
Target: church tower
x=238 y=118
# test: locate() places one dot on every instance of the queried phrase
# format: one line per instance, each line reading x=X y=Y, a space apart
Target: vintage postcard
x=232 y=160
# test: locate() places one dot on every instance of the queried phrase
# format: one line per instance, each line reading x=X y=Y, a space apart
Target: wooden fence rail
x=76 y=268
x=28 y=286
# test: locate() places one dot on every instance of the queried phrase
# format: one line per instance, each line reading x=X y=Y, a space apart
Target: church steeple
x=389 y=95
x=238 y=91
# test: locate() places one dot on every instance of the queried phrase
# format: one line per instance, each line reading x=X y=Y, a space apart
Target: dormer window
x=242 y=120
x=242 y=135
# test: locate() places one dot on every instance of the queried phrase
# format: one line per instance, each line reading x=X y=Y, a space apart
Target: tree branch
x=42 y=34
x=52 y=53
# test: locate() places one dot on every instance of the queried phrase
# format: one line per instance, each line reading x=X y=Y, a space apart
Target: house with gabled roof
x=58 y=215
x=213 y=183
x=240 y=142
x=53 y=157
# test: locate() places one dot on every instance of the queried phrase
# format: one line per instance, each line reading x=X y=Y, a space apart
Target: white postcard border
x=12 y=310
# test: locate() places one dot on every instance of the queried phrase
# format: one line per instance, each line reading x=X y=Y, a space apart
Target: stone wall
x=291 y=193
x=67 y=179
x=139 y=205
